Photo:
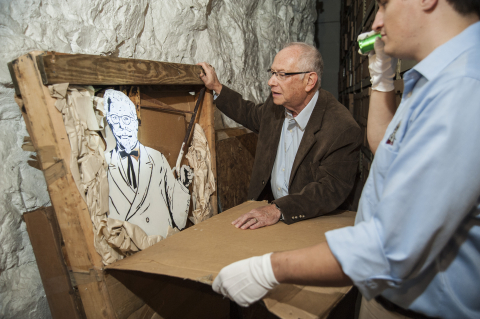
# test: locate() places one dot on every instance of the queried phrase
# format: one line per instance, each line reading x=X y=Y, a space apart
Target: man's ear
x=312 y=79
x=428 y=5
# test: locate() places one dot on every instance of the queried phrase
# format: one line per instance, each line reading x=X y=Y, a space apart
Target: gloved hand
x=246 y=281
x=382 y=68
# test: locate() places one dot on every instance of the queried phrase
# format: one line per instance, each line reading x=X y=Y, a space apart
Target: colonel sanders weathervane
x=142 y=187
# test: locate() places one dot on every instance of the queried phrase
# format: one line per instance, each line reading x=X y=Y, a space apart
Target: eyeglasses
x=282 y=75
x=125 y=119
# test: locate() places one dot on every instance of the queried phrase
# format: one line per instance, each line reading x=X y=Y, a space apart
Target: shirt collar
x=303 y=117
x=442 y=56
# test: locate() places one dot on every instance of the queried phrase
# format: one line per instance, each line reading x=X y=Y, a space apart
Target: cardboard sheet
x=201 y=251
x=163 y=132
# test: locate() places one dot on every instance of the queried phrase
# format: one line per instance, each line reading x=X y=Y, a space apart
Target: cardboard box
x=200 y=252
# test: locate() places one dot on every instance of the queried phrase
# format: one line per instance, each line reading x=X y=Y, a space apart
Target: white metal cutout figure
x=142 y=187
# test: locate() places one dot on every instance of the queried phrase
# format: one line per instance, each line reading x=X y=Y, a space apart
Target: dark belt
x=390 y=306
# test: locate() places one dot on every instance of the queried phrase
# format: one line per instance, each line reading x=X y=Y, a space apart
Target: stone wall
x=238 y=37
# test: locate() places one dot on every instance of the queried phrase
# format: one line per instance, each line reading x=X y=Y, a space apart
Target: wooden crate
x=235 y=157
x=73 y=275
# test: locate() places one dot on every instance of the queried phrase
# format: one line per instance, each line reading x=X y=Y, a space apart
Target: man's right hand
x=382 y=68
x=210 y=78
x=258 y=217
x=246 y=281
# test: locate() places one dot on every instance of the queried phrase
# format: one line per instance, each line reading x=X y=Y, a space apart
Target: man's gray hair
x=310 y=60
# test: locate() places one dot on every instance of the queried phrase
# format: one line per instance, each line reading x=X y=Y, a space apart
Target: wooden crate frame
x=78 y=287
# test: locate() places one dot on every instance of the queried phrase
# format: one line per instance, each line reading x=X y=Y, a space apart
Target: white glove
x=246 y=281
x=382 y=68
x=363 y=36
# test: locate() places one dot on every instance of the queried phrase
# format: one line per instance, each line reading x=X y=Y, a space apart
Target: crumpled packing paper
x=199 y=158
x=83 y=116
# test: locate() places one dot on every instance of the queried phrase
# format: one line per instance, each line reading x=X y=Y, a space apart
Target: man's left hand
x=258 y=217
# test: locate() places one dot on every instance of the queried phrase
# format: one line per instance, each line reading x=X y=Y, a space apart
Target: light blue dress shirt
x=292 y=133
x=416 y=238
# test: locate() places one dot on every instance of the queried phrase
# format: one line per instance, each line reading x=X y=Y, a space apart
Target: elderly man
x=308 y=143
x=142 y=188
x=414 y=251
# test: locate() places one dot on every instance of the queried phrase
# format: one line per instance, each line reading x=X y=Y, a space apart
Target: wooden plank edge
x=48 y=80
x=41 y=68
x=93 y=293
x=62 y=298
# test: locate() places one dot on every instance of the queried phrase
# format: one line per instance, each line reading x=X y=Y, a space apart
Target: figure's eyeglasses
x=283 y=75
x=126 y=120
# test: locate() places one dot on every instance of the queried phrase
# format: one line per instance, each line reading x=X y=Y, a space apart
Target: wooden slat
x=46 y=239
x=50 y=140
x=153 y=103
x=101 y=70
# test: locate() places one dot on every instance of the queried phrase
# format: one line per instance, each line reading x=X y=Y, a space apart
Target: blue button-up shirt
x=416 y=238
x=290 y=138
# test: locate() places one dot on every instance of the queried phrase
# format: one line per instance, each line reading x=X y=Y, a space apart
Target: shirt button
x=148 y=219
x=290 y=131
x=283 y=169
x=263 y=182
x=279 y=188
x=409 y=94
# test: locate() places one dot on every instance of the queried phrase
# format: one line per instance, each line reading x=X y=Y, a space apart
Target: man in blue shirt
x=415 y=246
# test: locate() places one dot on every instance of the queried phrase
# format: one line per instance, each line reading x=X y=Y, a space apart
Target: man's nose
x=378 y=22
x=273 y=80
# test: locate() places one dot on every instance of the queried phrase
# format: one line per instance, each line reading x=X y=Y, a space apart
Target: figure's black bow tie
x=130 y=172
x=132 y=153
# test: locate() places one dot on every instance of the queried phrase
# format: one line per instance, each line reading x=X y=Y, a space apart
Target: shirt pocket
x=388 y=148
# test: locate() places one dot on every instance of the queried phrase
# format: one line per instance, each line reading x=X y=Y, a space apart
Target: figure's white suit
x=159 y=197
